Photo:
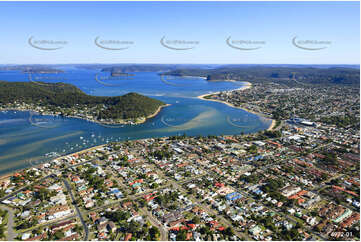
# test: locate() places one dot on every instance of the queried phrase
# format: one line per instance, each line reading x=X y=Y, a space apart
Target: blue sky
x=209 y=23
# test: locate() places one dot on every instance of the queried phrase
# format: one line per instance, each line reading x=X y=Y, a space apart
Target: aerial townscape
x=298 y=180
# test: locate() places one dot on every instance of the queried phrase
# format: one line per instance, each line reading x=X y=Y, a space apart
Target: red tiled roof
x=220 y=228
x=128 y=236
x=344 y=190
x=219 y=184
x=174 y=228
x=192 y=226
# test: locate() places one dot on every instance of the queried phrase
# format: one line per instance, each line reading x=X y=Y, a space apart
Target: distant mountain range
x=165 y=67
x=296 y=75
x=307 y=74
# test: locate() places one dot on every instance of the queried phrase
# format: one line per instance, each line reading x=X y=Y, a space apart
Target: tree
x=229 y=231
x=196 y=220
x=58 y=235
x=154 y=233
x=2 y=231
x=181 y=235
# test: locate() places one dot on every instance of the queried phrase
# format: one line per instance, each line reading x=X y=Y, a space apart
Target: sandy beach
x=273 y=124
x=90 y=120
x=124 y=121
x=248 y=85
x=156 y=113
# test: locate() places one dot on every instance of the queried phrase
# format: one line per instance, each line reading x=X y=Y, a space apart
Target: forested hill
x=306 y=75
x=65 y=96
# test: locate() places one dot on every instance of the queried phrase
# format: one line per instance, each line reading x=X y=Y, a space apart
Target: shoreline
x=157 y=112
x=143 y=119
x=247 y=86
x=273 y=124
x=6 y=175
x=51 y=159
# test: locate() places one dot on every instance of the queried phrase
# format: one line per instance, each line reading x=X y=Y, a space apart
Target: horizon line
x=129 y=63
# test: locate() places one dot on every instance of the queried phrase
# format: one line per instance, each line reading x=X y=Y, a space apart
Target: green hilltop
x=61 y=97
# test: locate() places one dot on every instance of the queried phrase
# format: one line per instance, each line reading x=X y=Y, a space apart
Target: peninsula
x=69 y=101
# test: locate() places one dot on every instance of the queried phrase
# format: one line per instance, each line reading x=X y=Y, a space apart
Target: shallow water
x=25 y=137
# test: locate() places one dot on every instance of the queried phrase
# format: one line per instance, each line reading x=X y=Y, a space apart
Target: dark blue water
x=26 y=137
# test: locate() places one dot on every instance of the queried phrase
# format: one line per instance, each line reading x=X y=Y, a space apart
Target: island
x=69 y=101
